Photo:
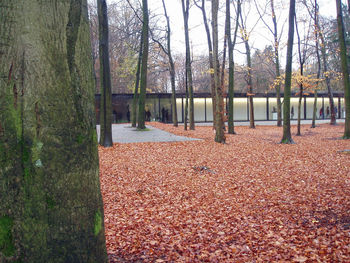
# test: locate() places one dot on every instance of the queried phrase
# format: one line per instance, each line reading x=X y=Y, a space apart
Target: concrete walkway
x=124 y=133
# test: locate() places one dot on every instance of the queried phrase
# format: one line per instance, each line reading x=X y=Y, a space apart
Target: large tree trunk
x=105 y=77
x=143 y=82
x=51 y=207
x=185 y=10
x=344 y=64
x=219 y=114
x=287 y=136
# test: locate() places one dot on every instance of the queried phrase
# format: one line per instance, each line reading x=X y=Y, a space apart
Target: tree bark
x=143 y=82
x=231 y=45
x=249 y=78
x=51 y=207
x=171 y=69
x=105 y=77
x=313 y=124
x=328 y=81
x=277 y=63
x=219 y=120
x=185 y=11
x=211 y=63
x=137 y=82
x=344 y=64
x=287 y=136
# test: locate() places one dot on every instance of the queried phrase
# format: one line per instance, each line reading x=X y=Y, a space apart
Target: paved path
x=124 y=133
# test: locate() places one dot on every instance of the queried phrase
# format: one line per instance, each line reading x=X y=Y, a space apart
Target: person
x=336 y=112
x=327 y=111
x=163 y=114
x=321 y=113
x=292 y=112
x=128 y=113
x=148 y=115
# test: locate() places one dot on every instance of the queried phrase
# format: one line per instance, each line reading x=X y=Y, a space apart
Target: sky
x=260 y=37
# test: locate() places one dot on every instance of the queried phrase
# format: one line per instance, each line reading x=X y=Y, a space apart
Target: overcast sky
x=260 y=37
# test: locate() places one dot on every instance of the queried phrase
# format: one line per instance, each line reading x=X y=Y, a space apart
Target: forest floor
x=249 y=200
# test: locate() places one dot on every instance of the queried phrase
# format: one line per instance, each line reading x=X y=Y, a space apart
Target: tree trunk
x=137 y=82
x=186 y=103
x=250 y=89
x=231 y=45
x=277 y=63
x=299 y=109
x=328 y=81
x=344 y=64
x=219 y=122
x=313 y=125
x=51 y=207
x=105 y=77
x=287 y=136
x=211 y=63
x=249 y=79
x=172 y=68
x=185 y=10
x=143 y=82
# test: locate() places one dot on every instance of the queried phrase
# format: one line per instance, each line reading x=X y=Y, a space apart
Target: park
x=251 y=199
x=121 y=141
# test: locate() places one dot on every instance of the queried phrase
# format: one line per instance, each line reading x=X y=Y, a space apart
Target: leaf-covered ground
x=250 y=200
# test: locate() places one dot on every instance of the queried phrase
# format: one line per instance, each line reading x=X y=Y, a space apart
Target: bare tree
x=344 y=63
x=219 y=114
x=302 y=54
x=105 y=77
x=185 y=11
x=287 y=136
x=143 y=82
x=210 y=53
x=276 y=42
x=245 y=35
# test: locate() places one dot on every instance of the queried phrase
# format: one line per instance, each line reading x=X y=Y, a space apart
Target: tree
x=219 y=114
x=231 y=46
x=249 y=79
x=185 y=12
x=344 y=63
x=51 y=207
x=143 y=82
x=287 y=136
x=314 y=15
x=105 y=77
x=302 y=54
x=167 y=51
x=276 y=45
x=326 y=73
x=136 y=89
x=210 y=56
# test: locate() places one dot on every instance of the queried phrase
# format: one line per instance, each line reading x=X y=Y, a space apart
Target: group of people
x=147 y=114
x=321 y=114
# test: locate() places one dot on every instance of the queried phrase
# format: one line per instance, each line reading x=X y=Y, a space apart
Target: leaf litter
x=249 y=200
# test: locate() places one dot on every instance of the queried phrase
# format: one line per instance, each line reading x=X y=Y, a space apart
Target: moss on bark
x=49 y=181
